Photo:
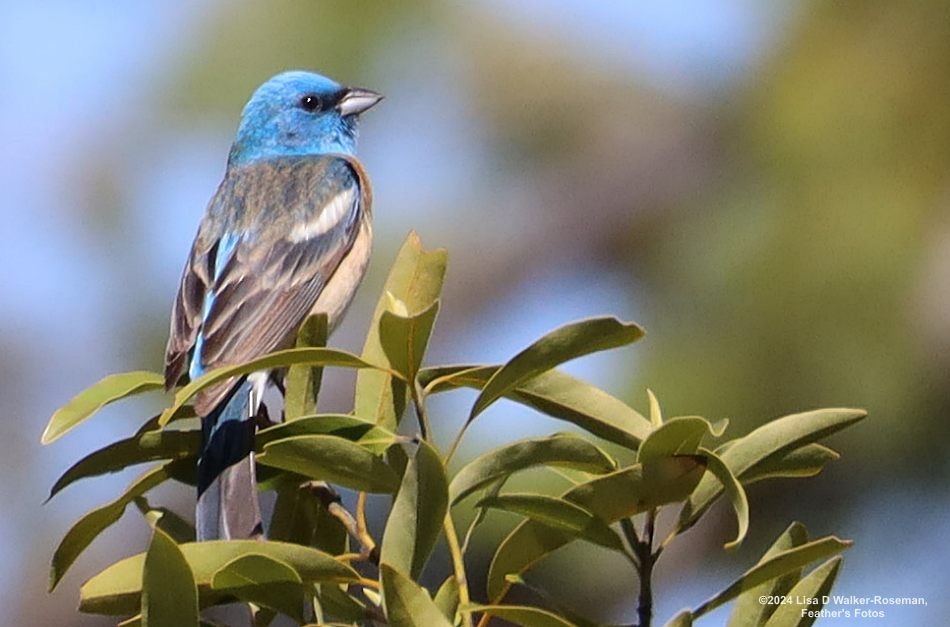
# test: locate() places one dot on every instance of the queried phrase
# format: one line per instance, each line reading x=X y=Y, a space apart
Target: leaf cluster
x=321 y=565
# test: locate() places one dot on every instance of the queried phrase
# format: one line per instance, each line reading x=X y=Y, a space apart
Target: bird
x=287 y=234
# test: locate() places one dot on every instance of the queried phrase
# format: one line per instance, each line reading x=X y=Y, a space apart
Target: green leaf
x=92 y=399
x=523 y=615
x=179 y=529
x=447 y=598
x=169 y=593
x=271 y=361
x=678 y=436
x=331 y=458
x=337 y=603
x=556 y=450
x=563 y=344
x=300 y=517
x=373 y=438
x=683 y=619
x=558 y=514
x=295 y=516
x=302 y=383
x=253 y=569
x=748 y=611
x=95 y=522
x=806 y=461
x=416 y=281
x=620 y=494
x=777 y=565
x=262 y=580
x=141 y=448
x=740 y=502
x=556 y=394
x=136 y=621
x=408 y=604
x=117 y=589
x=656 y=416
x=816 y=585
x=418 y=513
x=405 y=338
x=774 y=438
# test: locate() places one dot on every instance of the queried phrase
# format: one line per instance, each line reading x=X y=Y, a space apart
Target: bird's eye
x=310 y=103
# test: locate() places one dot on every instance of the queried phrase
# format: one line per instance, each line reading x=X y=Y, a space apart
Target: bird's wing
x=273 y=236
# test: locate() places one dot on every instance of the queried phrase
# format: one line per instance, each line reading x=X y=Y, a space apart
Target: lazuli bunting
x=287 y=234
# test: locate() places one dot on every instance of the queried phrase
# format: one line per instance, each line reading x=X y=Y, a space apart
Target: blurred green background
x=764 y=186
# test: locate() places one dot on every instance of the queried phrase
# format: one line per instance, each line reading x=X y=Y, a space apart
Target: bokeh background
x=764 y=186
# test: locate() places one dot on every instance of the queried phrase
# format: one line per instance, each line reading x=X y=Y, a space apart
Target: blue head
x=299 y=113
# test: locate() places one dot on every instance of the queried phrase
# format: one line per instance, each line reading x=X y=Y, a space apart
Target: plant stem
x=451 y=536
x=455 y=444
x=458 y=565
x=644 y=551
x=331 y=501
x=418 y=401
x=630 y=533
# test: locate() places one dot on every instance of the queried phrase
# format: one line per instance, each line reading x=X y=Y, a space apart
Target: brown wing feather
x=272 y=279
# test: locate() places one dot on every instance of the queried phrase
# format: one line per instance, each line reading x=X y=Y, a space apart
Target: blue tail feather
x=227 y=492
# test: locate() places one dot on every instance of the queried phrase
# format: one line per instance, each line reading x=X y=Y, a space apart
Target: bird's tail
x=228 y=505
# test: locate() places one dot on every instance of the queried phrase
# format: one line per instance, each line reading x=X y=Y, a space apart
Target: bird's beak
x=357 y=100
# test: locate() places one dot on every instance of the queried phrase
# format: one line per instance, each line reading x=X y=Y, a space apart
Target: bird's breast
x=340 y=289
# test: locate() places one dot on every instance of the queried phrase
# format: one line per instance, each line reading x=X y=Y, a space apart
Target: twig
x=630 y=534
x=644 y=551
x=418 y=401
x=331 y=501
x=458 y=565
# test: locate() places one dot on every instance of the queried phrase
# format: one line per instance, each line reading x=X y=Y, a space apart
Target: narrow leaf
x=740 y=502
x=678 y=436
x=300 y=517
x=95 y=522
x=748 y=610
x=179 y=529
x=416 y=281
x=557 y=450
x=139 y=449
x=278 y=359
x=816 y=585
x=776 y=566
x=522 y=615
x=262 y=580
x=806 y=461
x=773 y=438
x=656 y=416
x=447 y=598
x=405 y=338
x=559 y=514
x=331 y=458
x=253 y=569
x=683 y=619
x=169 y=593
x=407 y=604
x=337 y=603
x=620 y=494
x=117 y=589
x=563 y=344
x=556 y=394
x=368 y=435
x=302 y=383
x=92 y=399
x=418 y=513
